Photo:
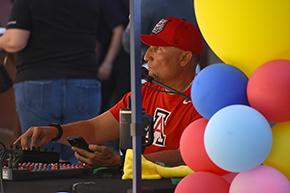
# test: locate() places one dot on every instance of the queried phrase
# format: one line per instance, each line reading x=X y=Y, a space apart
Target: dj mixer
x=26 y=174
x=31 y=164
x=34 y=155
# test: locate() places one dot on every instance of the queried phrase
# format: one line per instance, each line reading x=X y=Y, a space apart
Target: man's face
x=163 y=62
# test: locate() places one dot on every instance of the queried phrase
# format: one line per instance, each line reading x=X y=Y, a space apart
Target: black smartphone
x=79 y=142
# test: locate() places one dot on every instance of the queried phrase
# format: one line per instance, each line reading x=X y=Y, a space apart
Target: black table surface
x=86 y=184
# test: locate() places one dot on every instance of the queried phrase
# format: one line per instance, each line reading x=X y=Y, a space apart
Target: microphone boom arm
x=150 y=79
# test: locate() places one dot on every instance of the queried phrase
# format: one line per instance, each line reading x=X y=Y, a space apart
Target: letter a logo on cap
x=160 y=26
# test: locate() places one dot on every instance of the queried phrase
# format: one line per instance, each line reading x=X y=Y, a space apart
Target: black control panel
x=34 y=155
x=18 y=164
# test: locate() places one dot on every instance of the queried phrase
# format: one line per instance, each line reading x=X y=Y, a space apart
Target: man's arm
x=14 y=40
x=114 y=48
x=168 y=157
x=96 y=130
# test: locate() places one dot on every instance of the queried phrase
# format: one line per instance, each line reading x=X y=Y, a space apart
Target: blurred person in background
x=114 y=70
x=57 y=67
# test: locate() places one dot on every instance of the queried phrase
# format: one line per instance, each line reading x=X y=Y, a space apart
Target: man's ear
x=186 y=57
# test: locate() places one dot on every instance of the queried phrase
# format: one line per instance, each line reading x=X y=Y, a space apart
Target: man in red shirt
x=175 y=49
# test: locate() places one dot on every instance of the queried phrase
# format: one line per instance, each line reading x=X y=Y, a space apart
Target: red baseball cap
x=171 y=31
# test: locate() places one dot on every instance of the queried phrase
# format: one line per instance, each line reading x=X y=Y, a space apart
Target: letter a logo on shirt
x=159 y=123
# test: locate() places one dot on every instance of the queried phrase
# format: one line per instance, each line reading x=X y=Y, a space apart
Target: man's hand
x=105 y=71
x=43 y=134
x=102 y=157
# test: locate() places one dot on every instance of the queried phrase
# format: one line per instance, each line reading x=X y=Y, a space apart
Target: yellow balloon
x=279 y=156
x=245 y=33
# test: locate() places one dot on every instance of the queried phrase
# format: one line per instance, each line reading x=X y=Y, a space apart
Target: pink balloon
x=202 y=182
x=193 y=151
x=264 y=179
x=268 y=90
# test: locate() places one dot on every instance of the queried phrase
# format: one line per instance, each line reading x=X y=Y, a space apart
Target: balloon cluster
x=241 y=145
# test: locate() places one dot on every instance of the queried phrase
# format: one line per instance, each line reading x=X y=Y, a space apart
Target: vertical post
x=136 y=116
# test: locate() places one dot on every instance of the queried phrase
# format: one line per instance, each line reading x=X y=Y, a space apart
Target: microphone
x=144 y=71
x=150 y=79
x=145 y=75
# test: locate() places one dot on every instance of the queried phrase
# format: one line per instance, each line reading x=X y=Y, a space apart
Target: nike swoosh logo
x=186 y=101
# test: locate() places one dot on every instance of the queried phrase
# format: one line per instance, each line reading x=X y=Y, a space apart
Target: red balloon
x=193 y=151
x=202 y=182
x=268 y=90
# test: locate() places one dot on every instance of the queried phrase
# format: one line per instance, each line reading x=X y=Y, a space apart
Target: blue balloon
x=217 y=86
x=238 y=138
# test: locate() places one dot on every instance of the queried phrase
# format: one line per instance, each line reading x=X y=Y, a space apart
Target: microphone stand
x=150 y=79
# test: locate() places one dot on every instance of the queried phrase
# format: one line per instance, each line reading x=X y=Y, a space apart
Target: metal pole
x=136 y=116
